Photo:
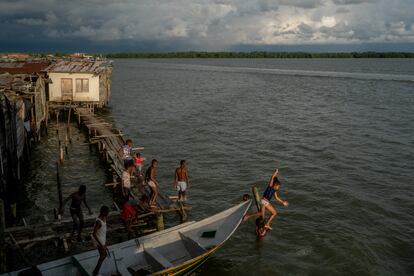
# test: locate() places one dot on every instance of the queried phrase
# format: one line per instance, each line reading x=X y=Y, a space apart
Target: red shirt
x=139 y=161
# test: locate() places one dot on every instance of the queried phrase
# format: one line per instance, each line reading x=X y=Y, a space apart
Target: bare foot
x=268 y=227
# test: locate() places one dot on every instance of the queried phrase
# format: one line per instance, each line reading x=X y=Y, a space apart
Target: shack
x=80 y=82
x=23 y=110
x=29 y=80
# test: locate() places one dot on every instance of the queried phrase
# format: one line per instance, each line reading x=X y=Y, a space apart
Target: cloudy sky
x=183 y=25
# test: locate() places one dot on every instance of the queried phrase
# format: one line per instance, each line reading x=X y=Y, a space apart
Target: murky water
x=344 y=144
x=81 y=166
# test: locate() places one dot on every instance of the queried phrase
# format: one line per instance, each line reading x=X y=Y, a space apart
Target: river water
x=340 y=131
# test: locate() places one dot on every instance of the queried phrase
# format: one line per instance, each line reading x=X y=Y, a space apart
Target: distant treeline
x=260 y=55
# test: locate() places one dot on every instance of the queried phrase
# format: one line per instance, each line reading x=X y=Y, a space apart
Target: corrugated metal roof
x=79 y=66
x=23 y=67
x=18 y=83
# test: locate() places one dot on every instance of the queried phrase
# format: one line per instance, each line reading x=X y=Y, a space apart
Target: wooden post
x=256 y=197
x=68 y=132
x=160 y=221
x=66 y=144
x=47 y=116
x=65 y=245
x=59 y=186
x=57 y=126
x=2 y=242
x=79 y=119
x=61 y=154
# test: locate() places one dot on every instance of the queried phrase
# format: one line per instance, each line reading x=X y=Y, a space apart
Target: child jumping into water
x=271 y=191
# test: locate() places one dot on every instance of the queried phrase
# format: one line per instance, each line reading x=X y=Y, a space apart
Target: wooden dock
x=109 y=141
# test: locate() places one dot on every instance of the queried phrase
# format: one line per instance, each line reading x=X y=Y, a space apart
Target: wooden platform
x=109 y=141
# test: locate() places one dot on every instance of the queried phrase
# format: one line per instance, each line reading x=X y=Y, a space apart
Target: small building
x=29 y=80
x=80 y=82
x=23 y=111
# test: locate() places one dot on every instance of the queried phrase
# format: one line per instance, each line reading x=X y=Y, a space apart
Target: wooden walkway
x=110 y=141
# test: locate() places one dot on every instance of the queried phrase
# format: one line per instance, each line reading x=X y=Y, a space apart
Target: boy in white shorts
x=181 y=180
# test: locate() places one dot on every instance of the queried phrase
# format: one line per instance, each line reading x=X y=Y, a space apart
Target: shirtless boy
x=181 y=181
x=76 y=211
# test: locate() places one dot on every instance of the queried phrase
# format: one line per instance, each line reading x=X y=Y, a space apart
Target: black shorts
x=128 y=162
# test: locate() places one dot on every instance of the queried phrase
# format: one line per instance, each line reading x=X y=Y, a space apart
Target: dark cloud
x=306 y=4
x=201 y=24
x=342 y=10
x=353 y=2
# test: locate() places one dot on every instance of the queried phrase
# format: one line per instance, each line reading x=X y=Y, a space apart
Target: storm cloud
x=202 y=24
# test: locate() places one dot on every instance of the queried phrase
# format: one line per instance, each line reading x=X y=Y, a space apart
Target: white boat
x=173 y=251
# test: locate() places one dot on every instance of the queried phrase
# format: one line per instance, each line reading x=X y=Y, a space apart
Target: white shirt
x=101 y=232
x=126 y=179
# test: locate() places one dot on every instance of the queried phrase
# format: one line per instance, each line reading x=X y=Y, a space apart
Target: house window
x=82 y=85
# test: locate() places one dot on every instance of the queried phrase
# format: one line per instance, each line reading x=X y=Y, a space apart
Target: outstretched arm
x=284 y=202
x=275 y=173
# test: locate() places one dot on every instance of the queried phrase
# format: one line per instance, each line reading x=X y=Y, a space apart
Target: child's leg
x=255 y=214
x=273 y=215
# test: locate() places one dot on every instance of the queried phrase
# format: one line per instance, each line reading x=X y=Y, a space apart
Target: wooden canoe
x=174 y=251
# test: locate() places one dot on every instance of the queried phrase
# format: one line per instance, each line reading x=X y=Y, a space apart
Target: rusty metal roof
x=23 y=67
x=80 y=66
x=20 y=83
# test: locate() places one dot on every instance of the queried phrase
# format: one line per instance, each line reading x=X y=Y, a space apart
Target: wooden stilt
x=59 y=186
x=47 y=117
x=68 y=131
x=61 y=154
x=65 y=245
x=160 y=221
x=79 y=120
